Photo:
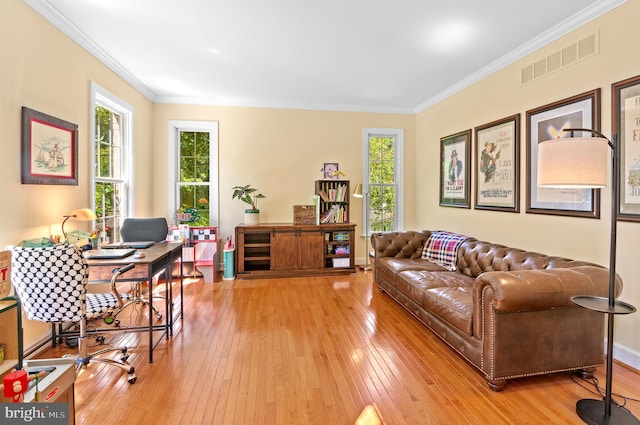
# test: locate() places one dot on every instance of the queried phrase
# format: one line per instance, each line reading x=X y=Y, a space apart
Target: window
x=383 y=156
x=111 y=126
x=194 y=145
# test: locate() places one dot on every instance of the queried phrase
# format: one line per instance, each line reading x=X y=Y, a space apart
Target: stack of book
x=335 y=214
x=337 y=194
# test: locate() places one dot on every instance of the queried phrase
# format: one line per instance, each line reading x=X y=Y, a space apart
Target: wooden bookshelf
x=333 y=198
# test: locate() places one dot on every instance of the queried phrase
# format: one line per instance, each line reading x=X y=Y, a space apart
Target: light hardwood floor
x=313 y=351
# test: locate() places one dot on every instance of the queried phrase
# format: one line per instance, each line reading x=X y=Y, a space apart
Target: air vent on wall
x=569 y=55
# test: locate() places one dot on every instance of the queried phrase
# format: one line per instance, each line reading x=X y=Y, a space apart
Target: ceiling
x=349 y=55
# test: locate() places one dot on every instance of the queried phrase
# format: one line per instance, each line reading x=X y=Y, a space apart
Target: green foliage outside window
x=108 y=171
x=194 y=179
x=382 y=189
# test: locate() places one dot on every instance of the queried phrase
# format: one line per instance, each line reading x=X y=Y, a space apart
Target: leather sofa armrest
x=405 y=244
x=530 y=290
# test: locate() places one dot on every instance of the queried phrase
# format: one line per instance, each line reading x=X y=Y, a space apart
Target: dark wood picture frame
x=625 y=123
x=49 y=153
x=329 y=171
x=547 y=122
x=455 y=170
x=497 y=165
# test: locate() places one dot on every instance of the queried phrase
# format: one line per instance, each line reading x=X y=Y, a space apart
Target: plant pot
x=251 y=217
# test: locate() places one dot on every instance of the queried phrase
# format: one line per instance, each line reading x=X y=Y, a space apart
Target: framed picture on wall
x=626 y=125
x=548 y=122
x=455 y=171
x=330 y=171
x=49 y=153
x=497 y=165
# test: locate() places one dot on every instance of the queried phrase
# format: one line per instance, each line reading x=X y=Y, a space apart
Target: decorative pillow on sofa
x=442 y=248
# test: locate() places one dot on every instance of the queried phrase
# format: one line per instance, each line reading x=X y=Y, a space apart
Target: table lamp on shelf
x=83 y=214
x=581 y=162
x=358 y=193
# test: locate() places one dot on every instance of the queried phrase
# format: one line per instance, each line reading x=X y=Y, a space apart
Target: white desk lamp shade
x=575 y=162
x=83 y=214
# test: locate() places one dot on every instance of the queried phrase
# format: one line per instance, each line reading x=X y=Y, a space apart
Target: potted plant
x=250 y=196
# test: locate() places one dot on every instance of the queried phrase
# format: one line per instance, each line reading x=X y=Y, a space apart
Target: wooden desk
x=158 y=258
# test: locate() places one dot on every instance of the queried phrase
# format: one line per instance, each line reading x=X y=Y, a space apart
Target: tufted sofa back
x=476 y=257
x=406 y=244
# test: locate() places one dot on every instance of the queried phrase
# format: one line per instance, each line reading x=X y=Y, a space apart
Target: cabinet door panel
x=285 y=251
x=311 y=250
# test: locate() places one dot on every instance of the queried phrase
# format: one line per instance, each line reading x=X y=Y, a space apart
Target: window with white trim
x=111 y=126
x=193 y=145
x=383 y=159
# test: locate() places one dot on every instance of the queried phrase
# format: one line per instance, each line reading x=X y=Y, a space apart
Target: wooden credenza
x=287 y=250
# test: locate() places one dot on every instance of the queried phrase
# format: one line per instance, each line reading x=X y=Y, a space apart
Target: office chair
x=143 y=229
x=51 y=284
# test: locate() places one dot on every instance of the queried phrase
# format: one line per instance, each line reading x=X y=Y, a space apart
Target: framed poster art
x=455 y=175
x=548 y=122
x=626 y=125
x=49 y=153
x=497 y=165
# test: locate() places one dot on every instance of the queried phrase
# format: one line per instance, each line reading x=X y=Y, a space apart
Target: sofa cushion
x=442 y=248
x=448 y=295
x=397 y=265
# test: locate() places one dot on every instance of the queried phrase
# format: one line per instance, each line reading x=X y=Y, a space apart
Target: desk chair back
x=50 y=282
x=144 y=229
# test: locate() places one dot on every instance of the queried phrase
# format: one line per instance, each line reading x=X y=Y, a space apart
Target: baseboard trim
x=626 y=355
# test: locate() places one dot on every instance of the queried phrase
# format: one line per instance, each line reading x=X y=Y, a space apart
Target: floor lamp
x=581 y=162
x=358 y=193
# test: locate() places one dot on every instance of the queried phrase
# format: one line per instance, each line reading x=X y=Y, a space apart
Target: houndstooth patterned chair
x=51 y=284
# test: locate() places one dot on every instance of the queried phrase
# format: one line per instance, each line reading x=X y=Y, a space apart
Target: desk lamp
x=581 y=162
x=84 y=214
x=358 y=193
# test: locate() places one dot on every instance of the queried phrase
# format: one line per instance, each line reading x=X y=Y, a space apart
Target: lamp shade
x=573 y=162
x=83 y=214
x=357 y=192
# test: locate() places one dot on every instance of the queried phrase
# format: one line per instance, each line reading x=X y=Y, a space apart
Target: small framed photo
x=49 y=149
x=497 y=165
x=455 y=171
x=626 y=125
x=548 y=122
x=330 y=171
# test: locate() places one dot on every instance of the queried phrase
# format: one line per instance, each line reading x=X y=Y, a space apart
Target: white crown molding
x=51 y=14
x=586 y=15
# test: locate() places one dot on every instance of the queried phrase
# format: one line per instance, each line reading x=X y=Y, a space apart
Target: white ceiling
x=357 y=55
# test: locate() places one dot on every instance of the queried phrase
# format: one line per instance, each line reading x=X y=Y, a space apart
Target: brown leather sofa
x=506 y=311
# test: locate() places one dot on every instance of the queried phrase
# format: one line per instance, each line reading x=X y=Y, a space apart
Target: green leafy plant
x=248 y=195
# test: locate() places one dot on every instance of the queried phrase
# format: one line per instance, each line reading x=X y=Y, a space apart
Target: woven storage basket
x=304 y=214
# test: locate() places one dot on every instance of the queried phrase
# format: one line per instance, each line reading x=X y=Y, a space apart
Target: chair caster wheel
x=132 y=378
x=159 y=317
x=124 y=358
x=100 y=340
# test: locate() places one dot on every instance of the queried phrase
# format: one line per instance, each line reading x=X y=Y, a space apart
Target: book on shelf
x=335 y=214
x=323 y=195
x=338 y=193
